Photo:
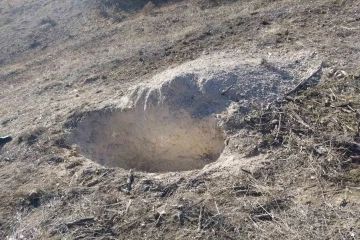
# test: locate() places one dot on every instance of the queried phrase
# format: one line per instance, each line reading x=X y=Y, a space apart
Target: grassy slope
x=299 y=194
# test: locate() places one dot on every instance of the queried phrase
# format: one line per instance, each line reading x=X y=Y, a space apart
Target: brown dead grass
x=308 y=188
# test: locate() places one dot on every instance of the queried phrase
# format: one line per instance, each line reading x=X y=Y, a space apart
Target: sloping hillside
x=204 y=119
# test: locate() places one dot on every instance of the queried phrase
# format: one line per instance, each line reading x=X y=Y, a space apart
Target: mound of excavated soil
x=173 y=122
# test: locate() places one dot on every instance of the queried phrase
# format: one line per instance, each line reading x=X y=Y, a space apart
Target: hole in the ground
x=151 y=140
x=163 y=128
x=170 y=124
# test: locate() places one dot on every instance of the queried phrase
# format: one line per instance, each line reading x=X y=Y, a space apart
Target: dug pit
x=152 y=140
x=173 y=123
x=170 y=128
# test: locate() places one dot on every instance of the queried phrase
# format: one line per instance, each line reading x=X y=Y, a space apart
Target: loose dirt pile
x=173 y=122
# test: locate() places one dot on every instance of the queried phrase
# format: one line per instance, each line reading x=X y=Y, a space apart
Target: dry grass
x=312 y=138
x=321 y=122
x=307 y=189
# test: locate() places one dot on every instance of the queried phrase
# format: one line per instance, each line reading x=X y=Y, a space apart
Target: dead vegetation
x=307 y=189
x=312 y=138
x=320 y=122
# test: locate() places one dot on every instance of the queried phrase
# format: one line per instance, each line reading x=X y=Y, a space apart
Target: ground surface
x=296 y=174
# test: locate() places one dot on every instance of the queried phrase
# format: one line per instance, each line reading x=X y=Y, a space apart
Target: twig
x=200 y=217
x=159 y=218
x=226 y=90
x=79 y=222
x=318 y=180
x=246 y=171
x=350 y=28
x=130 y=181
x=157 y=224
x=263 y=217
x=217 y=209
x=279 y=126
x=256 y=225
x=307 y=81
x=128 y=206
x=302 y=122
